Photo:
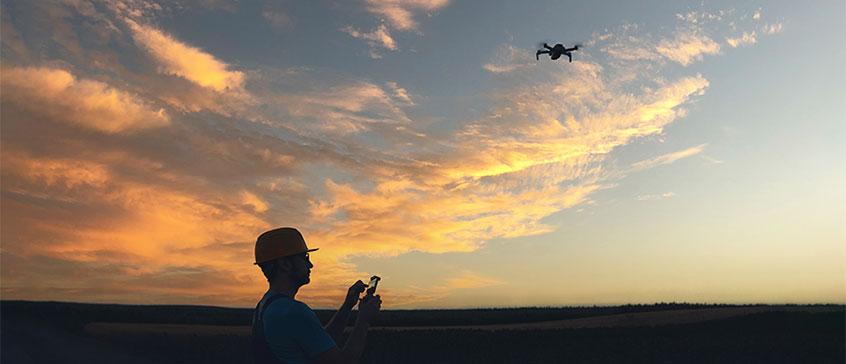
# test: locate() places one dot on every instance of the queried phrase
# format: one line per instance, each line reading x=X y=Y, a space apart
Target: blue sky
x=692 y=151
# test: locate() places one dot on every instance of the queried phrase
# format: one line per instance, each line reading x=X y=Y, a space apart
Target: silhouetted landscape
x=678 y=332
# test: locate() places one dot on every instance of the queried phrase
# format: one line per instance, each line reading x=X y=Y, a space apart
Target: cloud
x=508 y=59
x=464 y=279
x=746 y=38
x=687 y=47
x=689 y=42
x=504 y=174
x=174 y=211
x=773 y=28
x=93 y=214
x=251 y=199
x=121 y=282
x=379 y=36
x=712 y=160
x=655 y=197
x=572 y=116
x=668 y=158
x=400 y=93
x=180 y=59
x=468 y=279
x=143 y=9
x=400 y=16
x=278 y=20
x=697 y=17
x=87 y=103
x=400 y=13
x=345 y=109
x=391 y=220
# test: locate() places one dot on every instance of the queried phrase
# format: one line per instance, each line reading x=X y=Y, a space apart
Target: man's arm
x=336 y=325
x=355 y=343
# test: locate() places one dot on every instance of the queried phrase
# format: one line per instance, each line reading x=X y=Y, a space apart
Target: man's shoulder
x=300 y=307
x=287 y=306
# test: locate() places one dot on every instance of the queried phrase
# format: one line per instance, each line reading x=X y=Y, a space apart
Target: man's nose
x=310 y=265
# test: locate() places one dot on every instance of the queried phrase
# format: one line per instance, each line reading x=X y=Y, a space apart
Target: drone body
x=557 y=51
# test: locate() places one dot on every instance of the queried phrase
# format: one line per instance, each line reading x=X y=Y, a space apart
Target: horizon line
x=453 y=308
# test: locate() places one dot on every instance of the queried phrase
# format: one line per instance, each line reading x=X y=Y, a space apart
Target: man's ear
x=284 y=264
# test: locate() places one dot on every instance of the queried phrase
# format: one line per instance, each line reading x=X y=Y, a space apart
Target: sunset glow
x=689 y=152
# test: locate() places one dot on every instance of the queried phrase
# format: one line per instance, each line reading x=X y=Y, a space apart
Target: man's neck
x=284 y=288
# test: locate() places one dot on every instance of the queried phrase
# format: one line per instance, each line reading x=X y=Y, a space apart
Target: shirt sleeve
x=311 y=337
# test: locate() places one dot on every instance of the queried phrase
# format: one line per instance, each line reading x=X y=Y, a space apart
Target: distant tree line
x=75 y=316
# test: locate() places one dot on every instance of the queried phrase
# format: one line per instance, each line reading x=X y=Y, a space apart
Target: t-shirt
x=293 y=332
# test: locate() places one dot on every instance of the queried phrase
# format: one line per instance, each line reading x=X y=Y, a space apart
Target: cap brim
x=307 y=251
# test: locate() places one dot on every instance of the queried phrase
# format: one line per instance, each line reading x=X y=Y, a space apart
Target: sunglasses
x=304 y=256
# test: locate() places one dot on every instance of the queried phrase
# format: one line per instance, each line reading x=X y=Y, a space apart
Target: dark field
x=52 y=332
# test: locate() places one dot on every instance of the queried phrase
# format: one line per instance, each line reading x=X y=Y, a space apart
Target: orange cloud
x=254 y=201
x=185 y=61
x=57 y=94
x=91 y=215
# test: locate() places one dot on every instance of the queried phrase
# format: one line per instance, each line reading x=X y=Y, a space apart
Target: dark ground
x=51 y=332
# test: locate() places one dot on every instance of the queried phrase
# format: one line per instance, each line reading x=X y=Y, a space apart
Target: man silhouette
x=286 y=330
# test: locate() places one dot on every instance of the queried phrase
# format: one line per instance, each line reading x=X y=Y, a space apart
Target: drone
x=556 y=51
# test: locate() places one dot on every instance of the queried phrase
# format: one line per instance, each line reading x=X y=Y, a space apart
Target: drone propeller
x=545 y=41
x=552 y=43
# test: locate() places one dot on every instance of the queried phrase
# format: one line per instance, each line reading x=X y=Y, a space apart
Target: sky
x=690 y=152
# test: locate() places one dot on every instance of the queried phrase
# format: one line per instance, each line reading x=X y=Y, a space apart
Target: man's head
x=282 y=254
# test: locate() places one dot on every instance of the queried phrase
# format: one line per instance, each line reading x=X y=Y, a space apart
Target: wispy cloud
x=655 y=197
x=746 y=38
x=688 y=44
x=400 y=13
x=701 y=17
x=687 y=47
x=278 y=20
x=773 y=28
x=380 y=36
x=400 y=93
x=509 y=58
x=191 y=63
x=463 y=279
x=712 y=159
x=693 y=39
x=345 y=108
x=668 y=158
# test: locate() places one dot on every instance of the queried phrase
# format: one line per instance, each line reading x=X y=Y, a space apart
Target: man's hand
x=353 y=293
x=367 y=309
